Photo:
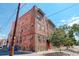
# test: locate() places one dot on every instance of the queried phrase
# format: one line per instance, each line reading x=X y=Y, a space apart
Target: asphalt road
x=6 y=52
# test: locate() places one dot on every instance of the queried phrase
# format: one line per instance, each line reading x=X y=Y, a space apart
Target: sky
x=58 y=13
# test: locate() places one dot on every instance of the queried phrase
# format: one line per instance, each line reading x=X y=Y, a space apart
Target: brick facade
x=33 y=30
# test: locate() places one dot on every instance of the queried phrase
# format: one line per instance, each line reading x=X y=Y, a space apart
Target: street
x=41 y=53
x=6 y=52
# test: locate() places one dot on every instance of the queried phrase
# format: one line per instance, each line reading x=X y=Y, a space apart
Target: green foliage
x=57 y=37
x=64 y=35
x=77 y=42
x=68 y=42
x=69 y=31
x=75 y=29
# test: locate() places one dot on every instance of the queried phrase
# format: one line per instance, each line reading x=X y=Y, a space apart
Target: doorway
x=48 y=44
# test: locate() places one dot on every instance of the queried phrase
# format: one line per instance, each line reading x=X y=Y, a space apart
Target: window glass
x=39 y=26
x=20 y=41
x=39 y=38
x=42 y=28
x=38 y=17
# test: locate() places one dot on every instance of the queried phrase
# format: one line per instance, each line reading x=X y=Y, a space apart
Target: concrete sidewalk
x=37 y=53
x=41 y=53
x=71 y=53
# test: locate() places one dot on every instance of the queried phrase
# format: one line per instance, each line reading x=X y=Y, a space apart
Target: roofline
x=51 y=22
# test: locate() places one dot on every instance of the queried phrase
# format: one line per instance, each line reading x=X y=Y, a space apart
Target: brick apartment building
x=33 y=31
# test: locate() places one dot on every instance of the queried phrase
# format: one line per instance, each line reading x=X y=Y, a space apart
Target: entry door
x=48 y=44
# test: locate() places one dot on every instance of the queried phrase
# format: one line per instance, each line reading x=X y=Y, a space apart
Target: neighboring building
x=33 y=30
x=3 y=42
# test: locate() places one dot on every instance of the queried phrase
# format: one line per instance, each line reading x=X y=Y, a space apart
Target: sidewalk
x=37 y=53
x=71 y=53
x=41 y=53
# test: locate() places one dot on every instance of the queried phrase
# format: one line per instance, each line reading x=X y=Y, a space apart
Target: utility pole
x=14 y=31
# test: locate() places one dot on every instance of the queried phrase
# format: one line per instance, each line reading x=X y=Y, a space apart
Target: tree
x=75 y=29
x=77 y=43
x=68 y=42
x=64 y=35
x=69 y=31
x=57 y=38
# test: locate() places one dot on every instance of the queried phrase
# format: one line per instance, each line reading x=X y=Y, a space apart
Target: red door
x=48 y=44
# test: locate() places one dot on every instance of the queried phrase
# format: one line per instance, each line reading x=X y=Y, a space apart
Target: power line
x=61 y=10
x=47 y=16
x=8 y=20
x=14 y=13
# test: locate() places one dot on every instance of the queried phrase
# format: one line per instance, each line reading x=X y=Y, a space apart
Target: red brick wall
x=26 y=24
x=27 y=31
x=40 y=43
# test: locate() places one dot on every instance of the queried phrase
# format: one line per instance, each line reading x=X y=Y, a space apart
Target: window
x=38 y=17
x=23 y=48
x=39 y=26
x=20 y=41
x=32 y=25
x=43 y=40
x=21 y=30
x=41 y=12
x=42 y=28
x=20 y=36
x=39 y=38
x=43 y=37
x=31 y=37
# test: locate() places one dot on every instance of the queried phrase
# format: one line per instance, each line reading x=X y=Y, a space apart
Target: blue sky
x=70 y=15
